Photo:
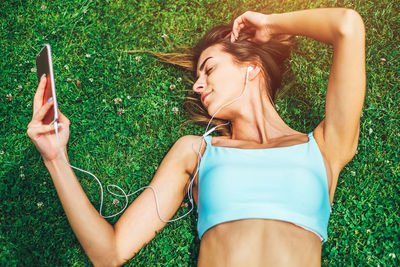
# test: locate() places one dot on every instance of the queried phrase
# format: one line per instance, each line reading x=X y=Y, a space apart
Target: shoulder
x=189 y=141
x=188 y=148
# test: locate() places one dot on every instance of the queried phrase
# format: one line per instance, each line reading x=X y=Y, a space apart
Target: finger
x=237 y=26
x=39 y=115
x=37 y=100
x=34 y=132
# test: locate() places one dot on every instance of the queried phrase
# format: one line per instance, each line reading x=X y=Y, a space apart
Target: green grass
x=88 y=38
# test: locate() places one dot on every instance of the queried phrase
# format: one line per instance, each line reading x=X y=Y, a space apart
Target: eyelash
x=208 y=71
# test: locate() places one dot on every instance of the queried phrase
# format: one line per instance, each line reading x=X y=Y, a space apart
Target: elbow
x=107 y=259
x=351 y=23
x=107 y=263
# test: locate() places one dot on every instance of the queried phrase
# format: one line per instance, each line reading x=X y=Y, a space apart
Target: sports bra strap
x=310 y=135
x=207 y=139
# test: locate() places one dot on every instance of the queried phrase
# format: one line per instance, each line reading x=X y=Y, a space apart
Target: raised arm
x=344 y=30
x=106 y=245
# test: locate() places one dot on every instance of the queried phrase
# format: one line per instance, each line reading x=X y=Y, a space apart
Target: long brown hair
x=270 y=56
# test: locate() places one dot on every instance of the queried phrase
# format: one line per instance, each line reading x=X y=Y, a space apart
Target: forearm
x=94 y=233
x=326 y=25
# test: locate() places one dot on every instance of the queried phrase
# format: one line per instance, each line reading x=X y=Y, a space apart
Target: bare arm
x=321 y=24
x=110 y=246
x=344 y=30
x=93 y=232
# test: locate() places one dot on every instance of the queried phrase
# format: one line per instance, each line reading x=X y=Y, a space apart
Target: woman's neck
x=259 y=122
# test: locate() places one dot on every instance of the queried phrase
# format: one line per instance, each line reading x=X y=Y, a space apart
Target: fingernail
x=43 y=77
x=49 y=100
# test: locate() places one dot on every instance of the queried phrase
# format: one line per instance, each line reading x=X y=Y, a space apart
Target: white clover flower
x=387 y=161
x=33 y=69
x=2 y=152
x=179 y=79
x=117 y=100
x=69 y=80
x=39 y=205
x=138 y=58
x=115 y=202
x=43 y=7
x=120 y=112
x=175 y=110
x=21 y=167
x=22 y=176
x=392 y=255
x=368 y=230
x=129 y=97
x=370 y=131
x=91 y=80
x=156 y=167
x=19 y=86
x=164 y=35
x=164 y=102
x=88 y=55
x=9 y=97
x=66 y=67
x=353 y=173
x=104 y=101
x=53 y=32
x=172 y=86
x=84 y=11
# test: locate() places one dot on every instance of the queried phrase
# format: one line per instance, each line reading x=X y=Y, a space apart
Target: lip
x=204 y=97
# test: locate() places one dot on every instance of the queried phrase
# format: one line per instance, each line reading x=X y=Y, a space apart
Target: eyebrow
x=202 y=65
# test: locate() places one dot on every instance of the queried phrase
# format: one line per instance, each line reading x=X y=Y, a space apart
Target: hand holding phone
x=41 y=129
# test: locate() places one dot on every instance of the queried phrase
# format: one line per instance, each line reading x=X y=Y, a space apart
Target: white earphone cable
x=190 y=196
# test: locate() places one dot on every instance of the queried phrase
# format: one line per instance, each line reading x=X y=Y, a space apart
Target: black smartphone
x=44 y=65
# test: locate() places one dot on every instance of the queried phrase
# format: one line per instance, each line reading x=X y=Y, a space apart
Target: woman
x=245 y=216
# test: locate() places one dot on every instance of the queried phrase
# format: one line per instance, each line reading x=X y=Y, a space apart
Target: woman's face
x=219 y=81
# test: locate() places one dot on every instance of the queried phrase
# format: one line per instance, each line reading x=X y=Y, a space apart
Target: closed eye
x=208 y=71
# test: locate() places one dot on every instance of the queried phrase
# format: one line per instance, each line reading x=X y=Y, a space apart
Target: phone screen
x=44 y=65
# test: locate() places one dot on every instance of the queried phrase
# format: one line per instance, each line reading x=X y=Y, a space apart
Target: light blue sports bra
x=281 y=183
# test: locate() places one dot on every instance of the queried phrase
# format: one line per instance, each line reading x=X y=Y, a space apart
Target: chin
x=211 y=109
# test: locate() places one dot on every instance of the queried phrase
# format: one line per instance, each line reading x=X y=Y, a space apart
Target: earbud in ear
x=250 y=68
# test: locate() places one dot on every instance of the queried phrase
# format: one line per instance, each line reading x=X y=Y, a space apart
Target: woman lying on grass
x=264 y=191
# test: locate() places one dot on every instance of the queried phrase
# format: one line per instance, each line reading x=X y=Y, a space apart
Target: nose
x=198 y=86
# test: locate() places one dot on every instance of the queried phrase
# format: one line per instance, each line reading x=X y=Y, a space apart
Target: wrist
x=270 y=23
x=58 y=159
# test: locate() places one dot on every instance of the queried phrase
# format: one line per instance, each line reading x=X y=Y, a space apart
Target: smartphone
x=44 y=65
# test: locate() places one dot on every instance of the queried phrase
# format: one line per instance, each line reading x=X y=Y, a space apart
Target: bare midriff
x=259 y=242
